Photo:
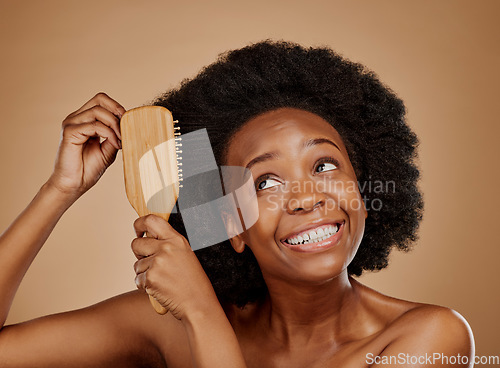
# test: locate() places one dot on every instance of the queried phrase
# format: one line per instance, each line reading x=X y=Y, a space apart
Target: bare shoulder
x=428 y=335
x=121 y=331
x=411 y=330
x=402 y=316
x=433 y=317
x=440 y=326
x=164 y=333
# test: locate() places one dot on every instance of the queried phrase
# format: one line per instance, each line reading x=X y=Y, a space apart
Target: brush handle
x=157 y=306
x=150 y=164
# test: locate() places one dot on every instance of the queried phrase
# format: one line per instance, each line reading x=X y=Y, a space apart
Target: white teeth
x=314 y=236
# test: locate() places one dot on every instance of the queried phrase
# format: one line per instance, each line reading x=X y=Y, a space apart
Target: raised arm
x=99 y=335
x=80 y=162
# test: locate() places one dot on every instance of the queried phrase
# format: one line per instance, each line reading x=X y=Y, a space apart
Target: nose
x=305 y=201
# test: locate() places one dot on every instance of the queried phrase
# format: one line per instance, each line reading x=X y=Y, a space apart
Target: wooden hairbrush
x=151 y=148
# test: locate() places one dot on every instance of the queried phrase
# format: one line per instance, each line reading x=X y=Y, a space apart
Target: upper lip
x=311 y=226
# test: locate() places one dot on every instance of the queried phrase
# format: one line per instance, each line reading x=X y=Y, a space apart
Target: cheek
x=354 y=206
x=344 y=193
x=269 y=212
x=353 y=203
x=345 y=196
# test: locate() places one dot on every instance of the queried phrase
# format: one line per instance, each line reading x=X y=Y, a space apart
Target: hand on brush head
x=168 y=269
x=82 y=158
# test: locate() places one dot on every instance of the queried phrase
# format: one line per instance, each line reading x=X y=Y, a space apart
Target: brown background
x=441 y=57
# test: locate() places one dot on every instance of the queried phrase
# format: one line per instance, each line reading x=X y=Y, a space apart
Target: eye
x=327 y=164
x=266 y=182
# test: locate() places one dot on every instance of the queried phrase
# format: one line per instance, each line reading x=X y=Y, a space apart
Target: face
x=311 y=215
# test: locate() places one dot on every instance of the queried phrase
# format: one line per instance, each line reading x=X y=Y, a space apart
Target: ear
x=233 y=232
x=237 y=243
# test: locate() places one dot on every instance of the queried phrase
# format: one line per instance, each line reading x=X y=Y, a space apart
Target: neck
x=312 y=311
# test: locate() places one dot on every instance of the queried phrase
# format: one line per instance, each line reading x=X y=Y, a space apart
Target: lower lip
x=318 y=246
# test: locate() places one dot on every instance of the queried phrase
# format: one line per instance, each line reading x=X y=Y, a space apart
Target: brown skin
x=314 y=315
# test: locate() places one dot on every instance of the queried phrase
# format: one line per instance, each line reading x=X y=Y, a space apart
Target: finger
x=108 y=151
x=155 y=226
x=102 y=99
x=144 y=247
x=97 y=113
x=141 y=281
x=80 y=133
x=142 y=265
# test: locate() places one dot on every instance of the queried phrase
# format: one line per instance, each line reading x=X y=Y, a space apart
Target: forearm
x=212 y=341
x=21 y=242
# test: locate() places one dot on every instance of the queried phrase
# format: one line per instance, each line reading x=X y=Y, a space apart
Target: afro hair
x=370 y=118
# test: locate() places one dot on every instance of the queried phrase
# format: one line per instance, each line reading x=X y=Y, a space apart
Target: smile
x=318 y=238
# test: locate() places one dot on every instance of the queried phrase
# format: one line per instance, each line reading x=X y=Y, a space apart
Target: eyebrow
x=316 y=141
x=273 y=155
x=264 y=157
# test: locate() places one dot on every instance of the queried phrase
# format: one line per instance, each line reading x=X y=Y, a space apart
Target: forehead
x=281 y=128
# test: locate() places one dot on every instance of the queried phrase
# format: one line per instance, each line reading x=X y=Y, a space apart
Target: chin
x=318 y=273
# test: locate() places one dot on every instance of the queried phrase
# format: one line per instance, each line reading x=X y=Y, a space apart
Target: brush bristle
x=178 y=151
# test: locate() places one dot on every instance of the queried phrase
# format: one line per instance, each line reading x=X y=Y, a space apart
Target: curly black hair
x=370 y=118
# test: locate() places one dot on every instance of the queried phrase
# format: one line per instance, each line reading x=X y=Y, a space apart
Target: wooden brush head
x=150 y=162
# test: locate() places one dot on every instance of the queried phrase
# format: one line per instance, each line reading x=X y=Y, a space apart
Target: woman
x=279 y=294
